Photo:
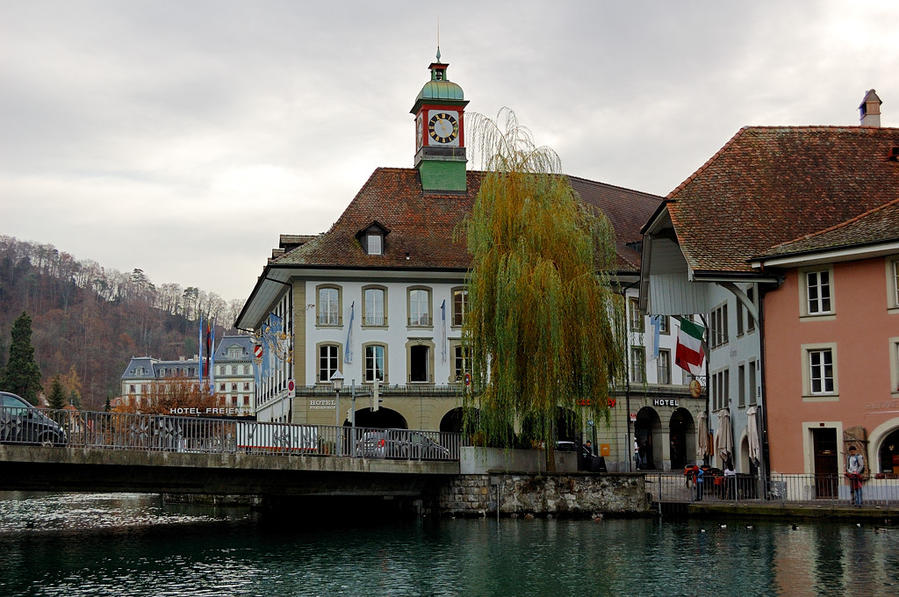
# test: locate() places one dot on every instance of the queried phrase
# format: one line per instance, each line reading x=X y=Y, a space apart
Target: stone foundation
x=569 y=494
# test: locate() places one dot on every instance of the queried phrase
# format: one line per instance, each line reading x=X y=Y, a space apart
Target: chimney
x=869 y=110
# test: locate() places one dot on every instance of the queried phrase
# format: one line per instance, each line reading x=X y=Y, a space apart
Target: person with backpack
x=855 y=467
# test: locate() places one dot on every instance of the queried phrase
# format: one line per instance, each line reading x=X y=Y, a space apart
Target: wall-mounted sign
x=605 y=450
x=695 y=388
x=322 y=404
x=665 y=402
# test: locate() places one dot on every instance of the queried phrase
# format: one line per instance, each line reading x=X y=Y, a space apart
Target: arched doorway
x=682 y=438
x=888 y=454
x=383 y=418
x=647 y=432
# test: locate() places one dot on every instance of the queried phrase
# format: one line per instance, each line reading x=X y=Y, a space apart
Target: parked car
x=22 y=423
x=399 y=443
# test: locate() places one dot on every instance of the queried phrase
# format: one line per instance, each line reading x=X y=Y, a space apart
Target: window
x=246 y=386
x=718 y=326
x=750 y=324
x=664 y=324
x=221 y=387
x=740 y=310
x=132 y=389
x=374 y=243
x=246 y=401
x=821 y=371
x=460 y=306
x=233 y=387
x=328 y=306
x=246 y=369
x=741 y=389
x=373 y=305
x=420 y=307
x=892 y=274
x=894 y=366
x=753 y=387
x=461 y=362
x=638 y=364
x=817 y=292
x=721 y=389
x=374 y=362
x=328 y=359
x=420 y=360
x=664 y=366
x=636 y=318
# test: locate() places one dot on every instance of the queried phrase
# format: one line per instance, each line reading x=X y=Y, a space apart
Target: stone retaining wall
x=569 y=494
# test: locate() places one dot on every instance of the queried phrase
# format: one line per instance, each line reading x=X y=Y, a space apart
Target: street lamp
x=337 y=382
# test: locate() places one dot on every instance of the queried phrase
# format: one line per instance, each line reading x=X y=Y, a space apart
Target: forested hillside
x=88 y=321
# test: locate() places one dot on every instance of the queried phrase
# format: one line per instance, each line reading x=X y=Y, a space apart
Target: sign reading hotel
x=322 y=404
x=665 y=402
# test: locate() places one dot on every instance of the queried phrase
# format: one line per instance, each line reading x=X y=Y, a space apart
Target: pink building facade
x=831 y=349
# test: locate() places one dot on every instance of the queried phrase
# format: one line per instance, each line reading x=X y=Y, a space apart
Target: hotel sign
x=322 y=404
x=665 y=402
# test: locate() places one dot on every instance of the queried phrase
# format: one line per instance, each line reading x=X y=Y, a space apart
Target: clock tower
x=440 y=132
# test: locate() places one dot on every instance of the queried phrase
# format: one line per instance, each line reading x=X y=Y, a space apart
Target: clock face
x=443 y=127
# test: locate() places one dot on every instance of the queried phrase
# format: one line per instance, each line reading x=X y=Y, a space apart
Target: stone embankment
x=545 y=494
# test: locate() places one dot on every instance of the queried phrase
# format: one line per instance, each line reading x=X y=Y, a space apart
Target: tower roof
x=439 y=88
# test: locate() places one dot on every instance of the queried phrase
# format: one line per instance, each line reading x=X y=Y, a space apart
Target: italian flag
x=689 y=354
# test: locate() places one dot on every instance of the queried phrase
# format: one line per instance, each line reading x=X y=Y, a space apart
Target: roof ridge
x=842 y=224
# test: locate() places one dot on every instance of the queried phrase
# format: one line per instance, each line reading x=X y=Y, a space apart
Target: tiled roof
x=770 y=185
x=423 y=226
x=878 y=225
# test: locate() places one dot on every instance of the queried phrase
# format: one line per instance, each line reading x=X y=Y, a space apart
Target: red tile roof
x=770 y=185
x=423 y=227
x=878 y=225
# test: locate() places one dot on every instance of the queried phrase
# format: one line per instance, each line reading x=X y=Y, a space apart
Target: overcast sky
x=182 y=137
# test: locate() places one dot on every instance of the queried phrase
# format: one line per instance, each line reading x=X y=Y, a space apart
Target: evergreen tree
x=544 y=326
x=57 y=398
x=106 y=406
x=75 y=399
x=22 y=375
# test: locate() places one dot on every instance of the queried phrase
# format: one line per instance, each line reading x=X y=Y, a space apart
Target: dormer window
x=374 y=243
x=371 y=238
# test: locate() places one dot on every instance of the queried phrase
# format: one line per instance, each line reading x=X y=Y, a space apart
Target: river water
x=133 y=544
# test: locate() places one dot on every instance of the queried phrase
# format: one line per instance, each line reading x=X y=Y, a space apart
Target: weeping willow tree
x=544 y=326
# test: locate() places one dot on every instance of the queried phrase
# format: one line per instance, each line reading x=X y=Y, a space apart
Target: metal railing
x=782 y=488
x=163 y=433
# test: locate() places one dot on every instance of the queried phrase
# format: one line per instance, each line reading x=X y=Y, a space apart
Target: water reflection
x=136 y=545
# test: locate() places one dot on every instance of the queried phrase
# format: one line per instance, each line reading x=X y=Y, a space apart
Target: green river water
x=133 y=544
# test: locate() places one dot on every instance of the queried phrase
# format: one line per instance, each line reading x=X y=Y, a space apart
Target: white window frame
x=374 y=243
x=812 y=365
x=892 y=273
x=369 y=366
x=458 y=316
x=635 y=317
x=417 y=318
x=323 y=374
x=663 y=367
x=638 y=369
x=370 y=319
x=328 y=312
x=815 y=306
x=894 y=366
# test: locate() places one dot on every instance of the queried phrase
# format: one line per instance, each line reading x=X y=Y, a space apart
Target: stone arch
x=682 y=438
x=648 y=434
x=454 y=419
x=877 y=442
x=382 y=418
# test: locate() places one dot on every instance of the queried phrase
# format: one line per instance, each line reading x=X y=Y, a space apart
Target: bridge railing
x=152 y=432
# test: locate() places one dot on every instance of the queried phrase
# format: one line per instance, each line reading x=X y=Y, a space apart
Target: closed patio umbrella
x=752 y=434
x=725 y=445
x=702 y=446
